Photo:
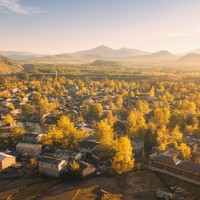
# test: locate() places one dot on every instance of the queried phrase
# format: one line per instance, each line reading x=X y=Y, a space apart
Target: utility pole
x=56 y=75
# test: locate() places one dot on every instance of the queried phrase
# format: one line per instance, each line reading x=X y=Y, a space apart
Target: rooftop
x=88 y=144
x=50 y=160
x=189 y=166
x=4 y=155
x=29 y=145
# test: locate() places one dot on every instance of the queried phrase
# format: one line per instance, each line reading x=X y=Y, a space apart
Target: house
x=31 y=137
x=29 y=149
x=86 y=169
x=138 y=144
x=167 y=162
x=4 y=126
x=14 y=90
x=87 y=147
x=63 y=154
x=6 y=160
x=52 y=166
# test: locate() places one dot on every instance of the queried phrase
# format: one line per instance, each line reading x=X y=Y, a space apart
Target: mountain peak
x=103 y=47
x=164 y=52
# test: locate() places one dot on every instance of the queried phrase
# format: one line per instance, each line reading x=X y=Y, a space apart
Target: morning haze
x=100 y=100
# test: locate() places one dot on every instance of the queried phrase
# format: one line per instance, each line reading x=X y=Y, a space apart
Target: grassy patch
x=34 y=190
x=142 y=184
x=95 y=192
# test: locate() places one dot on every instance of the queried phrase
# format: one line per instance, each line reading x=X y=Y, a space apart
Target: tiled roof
x=53 y=161
x=189 y=166
x=87 y=144
x=167 y=160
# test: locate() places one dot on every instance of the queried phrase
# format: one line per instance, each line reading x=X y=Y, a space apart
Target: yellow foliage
x=136 y=124
x=9 y=119
x=123 y=160
x=17 y=133
x=64 y=134
x=185 y=151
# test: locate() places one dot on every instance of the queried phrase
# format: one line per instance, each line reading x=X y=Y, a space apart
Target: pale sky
x=61 y=26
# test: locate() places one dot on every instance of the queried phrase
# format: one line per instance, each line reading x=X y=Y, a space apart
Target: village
x=26 y=150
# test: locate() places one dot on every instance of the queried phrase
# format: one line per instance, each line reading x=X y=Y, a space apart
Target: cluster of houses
x=169 y=162
x=54 y=161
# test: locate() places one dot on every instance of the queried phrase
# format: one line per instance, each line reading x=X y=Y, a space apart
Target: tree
x=95 y=110
x=111 y=118
x=9 y=119
x=185 y=151
x=45 y=107
x=162 y=138
x=119 y=102
x=32 y=164
x=142 y=106
x=175 y=135
x=161 y=117
x=64 y=134
x=17 y=133
x=166 y=138
x=136 y=124
x=123 y=160
x=36 y=98
x=105 y=135
x=28 y=109
x=74 y=169
x=152 y=92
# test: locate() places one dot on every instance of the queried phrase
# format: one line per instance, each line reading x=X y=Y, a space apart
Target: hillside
x=159 y=56
x=105 y=63
x=19 y=55
x=191 y=58
x=8 y=66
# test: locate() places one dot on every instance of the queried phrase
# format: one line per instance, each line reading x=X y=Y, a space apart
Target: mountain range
x=104 y=52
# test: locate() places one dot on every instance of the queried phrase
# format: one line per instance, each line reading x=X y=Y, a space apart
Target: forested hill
x=8 y=66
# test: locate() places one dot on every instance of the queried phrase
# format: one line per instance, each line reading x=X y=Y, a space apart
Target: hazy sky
x=57 y=26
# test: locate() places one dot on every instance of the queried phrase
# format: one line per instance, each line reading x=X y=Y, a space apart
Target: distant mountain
x=159 y=56
x=55 y=57
x=107 y=52
x=126 y=52
x=8 y=66
x=105 y=63
x=18 y=55
x=196 y=51
x=99 y=53
x=191 y=58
